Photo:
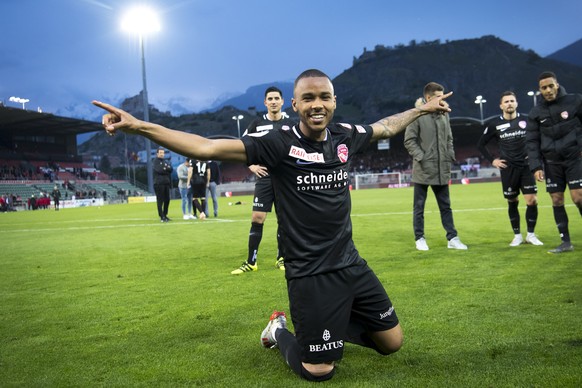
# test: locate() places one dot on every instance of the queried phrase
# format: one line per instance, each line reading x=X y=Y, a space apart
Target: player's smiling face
x=315 y=103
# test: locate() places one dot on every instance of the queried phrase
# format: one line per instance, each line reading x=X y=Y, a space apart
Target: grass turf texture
x=112 y=297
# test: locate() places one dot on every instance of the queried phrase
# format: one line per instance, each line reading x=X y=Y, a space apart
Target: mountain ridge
x=384 y=81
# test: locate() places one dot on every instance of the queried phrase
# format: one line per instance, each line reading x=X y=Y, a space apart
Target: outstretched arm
x=392 y=125
x=183 y=143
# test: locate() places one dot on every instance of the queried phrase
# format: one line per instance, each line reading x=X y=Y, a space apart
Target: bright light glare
x=140 y=20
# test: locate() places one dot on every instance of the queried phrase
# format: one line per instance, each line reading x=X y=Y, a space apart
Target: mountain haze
x=569 y=54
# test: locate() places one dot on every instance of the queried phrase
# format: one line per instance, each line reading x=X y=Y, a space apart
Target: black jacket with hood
x=554 y=130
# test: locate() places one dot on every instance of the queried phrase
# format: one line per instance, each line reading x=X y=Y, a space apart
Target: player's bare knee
x=390 y=347
x=259 y=217
x=389 y=341
x=317 y=372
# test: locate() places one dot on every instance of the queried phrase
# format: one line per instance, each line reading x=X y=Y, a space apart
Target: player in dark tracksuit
x=162 y=182
x=508 y=130
x=554 y=144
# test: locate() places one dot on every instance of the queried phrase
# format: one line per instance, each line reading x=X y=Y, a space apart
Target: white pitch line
x=200 y=222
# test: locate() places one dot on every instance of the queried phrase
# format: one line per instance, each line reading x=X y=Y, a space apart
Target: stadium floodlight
x=142 y=20
x=480 y=100
x=238 y=119
x=19 y=100
x=535 y=95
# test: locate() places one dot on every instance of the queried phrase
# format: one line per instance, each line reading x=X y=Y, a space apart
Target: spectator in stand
x=214 y=181
x=429 y=140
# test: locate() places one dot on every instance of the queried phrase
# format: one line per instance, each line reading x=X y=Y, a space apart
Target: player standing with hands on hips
x=509 y=131
x=334 y=296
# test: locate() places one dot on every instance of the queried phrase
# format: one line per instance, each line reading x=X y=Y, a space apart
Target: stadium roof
x=26 y=122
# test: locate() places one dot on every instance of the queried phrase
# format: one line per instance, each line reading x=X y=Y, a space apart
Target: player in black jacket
x=554 y=144
x=162 y=182
x=275 y=119
x=334 y=296
x=508 y=130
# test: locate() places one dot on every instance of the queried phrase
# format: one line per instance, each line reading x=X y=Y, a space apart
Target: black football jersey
x=264 y=124
x=510 y=137
x=311 y=184
x=199 y=172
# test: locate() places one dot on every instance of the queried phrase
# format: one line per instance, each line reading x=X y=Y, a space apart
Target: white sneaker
x=202 y=216
x=517 y=240
x=191 y=216
x=532 y=239
x=186 y=217
x=455 y=243
x=421 y=244
x=276 y=321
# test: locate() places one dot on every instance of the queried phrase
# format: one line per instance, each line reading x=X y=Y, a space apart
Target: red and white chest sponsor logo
x=564 y=115
x=522 y=124
x=301 y=154
x=342 y=153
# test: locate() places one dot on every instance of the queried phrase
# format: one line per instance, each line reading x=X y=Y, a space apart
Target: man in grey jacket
x=429 y=140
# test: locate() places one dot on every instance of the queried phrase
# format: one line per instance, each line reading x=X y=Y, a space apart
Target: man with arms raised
x=334 y=296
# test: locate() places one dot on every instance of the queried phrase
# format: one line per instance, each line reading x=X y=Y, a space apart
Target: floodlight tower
x=141 y=21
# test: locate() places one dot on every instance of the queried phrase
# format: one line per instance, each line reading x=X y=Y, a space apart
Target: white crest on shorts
x=326 y=335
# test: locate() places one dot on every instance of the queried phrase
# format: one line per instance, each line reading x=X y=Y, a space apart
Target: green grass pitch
x=110 y=296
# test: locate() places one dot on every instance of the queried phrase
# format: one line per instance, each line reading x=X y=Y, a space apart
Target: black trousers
x=163 y=199
x=441 y=193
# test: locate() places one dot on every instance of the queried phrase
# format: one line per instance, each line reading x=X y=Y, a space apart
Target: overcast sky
x=61 y=54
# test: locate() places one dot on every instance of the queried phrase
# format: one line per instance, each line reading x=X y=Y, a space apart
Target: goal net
x=375 y=181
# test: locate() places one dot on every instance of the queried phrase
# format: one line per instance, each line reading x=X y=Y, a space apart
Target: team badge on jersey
x=564 y=115
x=522 y=124
x=342 y=153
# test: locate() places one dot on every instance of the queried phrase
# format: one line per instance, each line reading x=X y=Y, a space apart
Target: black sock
x=513 y=211
x=203 y=205
x=290 y=349
x=561 y=218
x=255 y=236
x=280 y=252
x=531 y=217
x=197 y=205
